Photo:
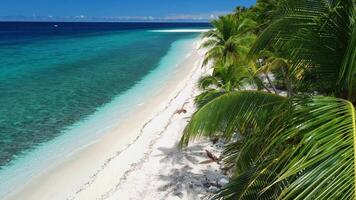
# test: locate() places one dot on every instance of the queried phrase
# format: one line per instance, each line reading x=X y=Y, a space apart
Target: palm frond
x=207 y=96
x=230 y=112
x=321 y=162
x=317 y=36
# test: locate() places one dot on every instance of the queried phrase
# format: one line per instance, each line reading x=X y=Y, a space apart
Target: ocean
x=55 y=77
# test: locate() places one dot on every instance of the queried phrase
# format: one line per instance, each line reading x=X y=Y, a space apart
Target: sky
x=119 y=9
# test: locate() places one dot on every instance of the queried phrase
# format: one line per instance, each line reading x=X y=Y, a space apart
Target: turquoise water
x=88 y=130
x=61 y=93
x=48 y=85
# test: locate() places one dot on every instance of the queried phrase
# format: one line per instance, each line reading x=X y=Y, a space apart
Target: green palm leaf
x=319 y=37
x=321 y=162
x=310 y=155
x=230 y=112
x=229 y=40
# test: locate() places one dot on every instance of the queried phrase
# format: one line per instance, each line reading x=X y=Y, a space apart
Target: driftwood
x=182 y=110
x=206 y=161
x=212 y=157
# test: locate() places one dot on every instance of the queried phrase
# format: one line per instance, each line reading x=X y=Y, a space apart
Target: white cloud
x=205 y=16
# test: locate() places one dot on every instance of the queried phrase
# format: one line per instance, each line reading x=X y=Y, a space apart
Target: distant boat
x=56 y=26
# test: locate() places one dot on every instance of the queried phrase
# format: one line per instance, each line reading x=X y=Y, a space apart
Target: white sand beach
x=139 y=159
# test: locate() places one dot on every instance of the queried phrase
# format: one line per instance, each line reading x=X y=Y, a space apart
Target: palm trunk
x=264 y=86
x=259 y=82
x=289 y=87
x=287 y=82
x=271 y=84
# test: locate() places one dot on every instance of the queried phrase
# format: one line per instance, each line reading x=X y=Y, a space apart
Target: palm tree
x=320 y=39
x=301 y=147
x=225 y=78
x=229 y=40
x=272 y=61
x=265 y=12
x=239 y=12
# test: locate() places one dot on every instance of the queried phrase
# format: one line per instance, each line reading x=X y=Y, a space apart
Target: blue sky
x=134 y=9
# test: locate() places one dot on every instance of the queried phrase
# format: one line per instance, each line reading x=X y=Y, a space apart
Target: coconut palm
x=300 y=148
x=319 y=38
x=265 y=12
x=274 y=61
x=225 y=78
x=239 y=12
x=229 y=40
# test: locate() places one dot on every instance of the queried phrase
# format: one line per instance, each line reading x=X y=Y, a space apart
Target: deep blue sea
x=54 y=75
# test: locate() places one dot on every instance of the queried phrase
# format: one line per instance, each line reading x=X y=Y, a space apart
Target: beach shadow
x=175 y=155
x=183 y=180
x=185 y=183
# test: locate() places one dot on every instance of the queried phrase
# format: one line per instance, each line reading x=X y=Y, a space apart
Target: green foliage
x=207 y=96
x=297 y=147
x=319 y=39
x=229 y=40
x=230 y=112
x=301 y=148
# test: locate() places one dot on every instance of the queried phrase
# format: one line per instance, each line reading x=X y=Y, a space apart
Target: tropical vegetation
x=284 y=82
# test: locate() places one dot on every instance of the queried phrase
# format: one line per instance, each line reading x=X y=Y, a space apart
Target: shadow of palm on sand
x=175 y=155
x=190 y=177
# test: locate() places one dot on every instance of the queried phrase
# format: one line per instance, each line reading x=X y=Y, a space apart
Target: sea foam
x=181 y=31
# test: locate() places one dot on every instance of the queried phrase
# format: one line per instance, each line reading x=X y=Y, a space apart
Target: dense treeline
x=283 y=80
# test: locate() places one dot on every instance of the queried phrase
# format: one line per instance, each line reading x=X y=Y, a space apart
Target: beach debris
x=223 y=181
x=207 y=161
x=213 y=189
x=212 y=156
x=182 y=109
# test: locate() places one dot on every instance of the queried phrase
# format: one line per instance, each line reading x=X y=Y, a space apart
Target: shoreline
x=74 y=178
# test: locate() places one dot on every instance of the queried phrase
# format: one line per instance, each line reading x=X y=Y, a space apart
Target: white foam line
x=181 y=31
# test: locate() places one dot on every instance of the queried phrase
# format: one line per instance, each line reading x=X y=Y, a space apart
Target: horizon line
x=127 y=21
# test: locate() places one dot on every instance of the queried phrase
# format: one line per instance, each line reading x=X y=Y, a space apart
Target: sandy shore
x=134 y=161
